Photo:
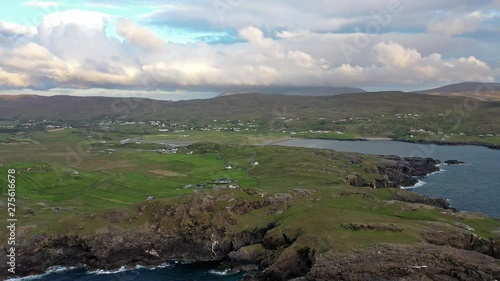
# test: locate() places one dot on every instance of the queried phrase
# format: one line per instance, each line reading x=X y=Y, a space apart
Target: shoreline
x=56 y=269
x=448 y=143
x=436 y=142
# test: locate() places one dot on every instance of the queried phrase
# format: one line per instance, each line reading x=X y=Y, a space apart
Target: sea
x=170 y=271
x=471 y=187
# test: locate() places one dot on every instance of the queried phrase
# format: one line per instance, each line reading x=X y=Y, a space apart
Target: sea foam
x=50 y=270
x=420 y=183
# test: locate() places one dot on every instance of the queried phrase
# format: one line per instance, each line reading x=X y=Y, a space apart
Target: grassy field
x=64 y=176
x=248 y=138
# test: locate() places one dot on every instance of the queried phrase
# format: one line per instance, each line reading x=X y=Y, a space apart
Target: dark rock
x=399 y=262
x=410 y=197
x=253 y=254
x=372 y=226
x=453 y=162
x=294 y=262
x=401 y=172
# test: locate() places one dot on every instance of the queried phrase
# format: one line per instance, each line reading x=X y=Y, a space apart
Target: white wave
x=106 y=272
x=125 y=269
x=437 y=172
x=224 y=272
x=50 y=270
x=184 y=262
x=420 y=183
x=165 y=265
x=56 y=269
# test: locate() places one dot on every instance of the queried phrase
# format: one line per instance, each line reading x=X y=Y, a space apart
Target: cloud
x=455 y=24
x=395 y=55
x=300 y=47
x=10 y=29
x=255 y=36
x=14 y=79
x=138 y=35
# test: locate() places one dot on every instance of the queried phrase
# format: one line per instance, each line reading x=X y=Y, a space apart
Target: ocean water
x=473 y=186
x=169 y=272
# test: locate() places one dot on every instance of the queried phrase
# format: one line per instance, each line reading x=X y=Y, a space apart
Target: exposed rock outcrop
x=193 y=230
x=453 y=162
x=412 y=262
x=401 y=172
x=396 y=172
x=421 y=199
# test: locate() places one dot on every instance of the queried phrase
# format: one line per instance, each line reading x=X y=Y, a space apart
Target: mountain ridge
x=478 y=90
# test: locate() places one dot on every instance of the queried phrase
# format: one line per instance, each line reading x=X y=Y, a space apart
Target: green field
x=63 y=176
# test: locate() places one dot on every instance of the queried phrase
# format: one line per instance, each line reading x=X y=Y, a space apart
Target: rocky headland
x=300 y=234
x=396 y=172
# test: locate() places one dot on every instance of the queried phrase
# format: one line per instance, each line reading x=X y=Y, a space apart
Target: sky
x=200 y=48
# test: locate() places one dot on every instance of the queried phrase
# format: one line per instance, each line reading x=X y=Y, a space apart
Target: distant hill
x=26 y=107
x=482 y=91
x=242 y=106
x=296 y=91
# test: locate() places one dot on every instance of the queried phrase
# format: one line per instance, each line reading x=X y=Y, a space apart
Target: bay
x=473 y=186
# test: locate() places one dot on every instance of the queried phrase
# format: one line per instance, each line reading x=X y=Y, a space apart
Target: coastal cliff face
x=193 y=231
x=396 y=172
x=208 y=228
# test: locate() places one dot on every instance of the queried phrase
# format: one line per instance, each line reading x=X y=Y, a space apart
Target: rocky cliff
x=208 y=227
x=395 y=172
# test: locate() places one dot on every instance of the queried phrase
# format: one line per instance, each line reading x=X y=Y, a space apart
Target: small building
x=223 y=181
x=74 y=173
x=255 y=163
x=150 y=198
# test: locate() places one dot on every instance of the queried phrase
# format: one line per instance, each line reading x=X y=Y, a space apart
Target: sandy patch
x=167 y=173
x=56 y=130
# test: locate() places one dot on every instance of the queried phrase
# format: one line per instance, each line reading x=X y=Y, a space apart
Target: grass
x=225 y=137
x=51 y=199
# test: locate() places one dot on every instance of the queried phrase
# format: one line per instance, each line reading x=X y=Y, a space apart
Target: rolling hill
x=482 y=91
x=296 y=91
x=242 y=106
x=27 y=107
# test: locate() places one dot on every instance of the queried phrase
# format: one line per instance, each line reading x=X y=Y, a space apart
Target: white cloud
x=12 y=28
x=138 y=35
x=14 y=79
x=71 y=49
x=255 y=36
x=455 y=24
x=395 y=55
